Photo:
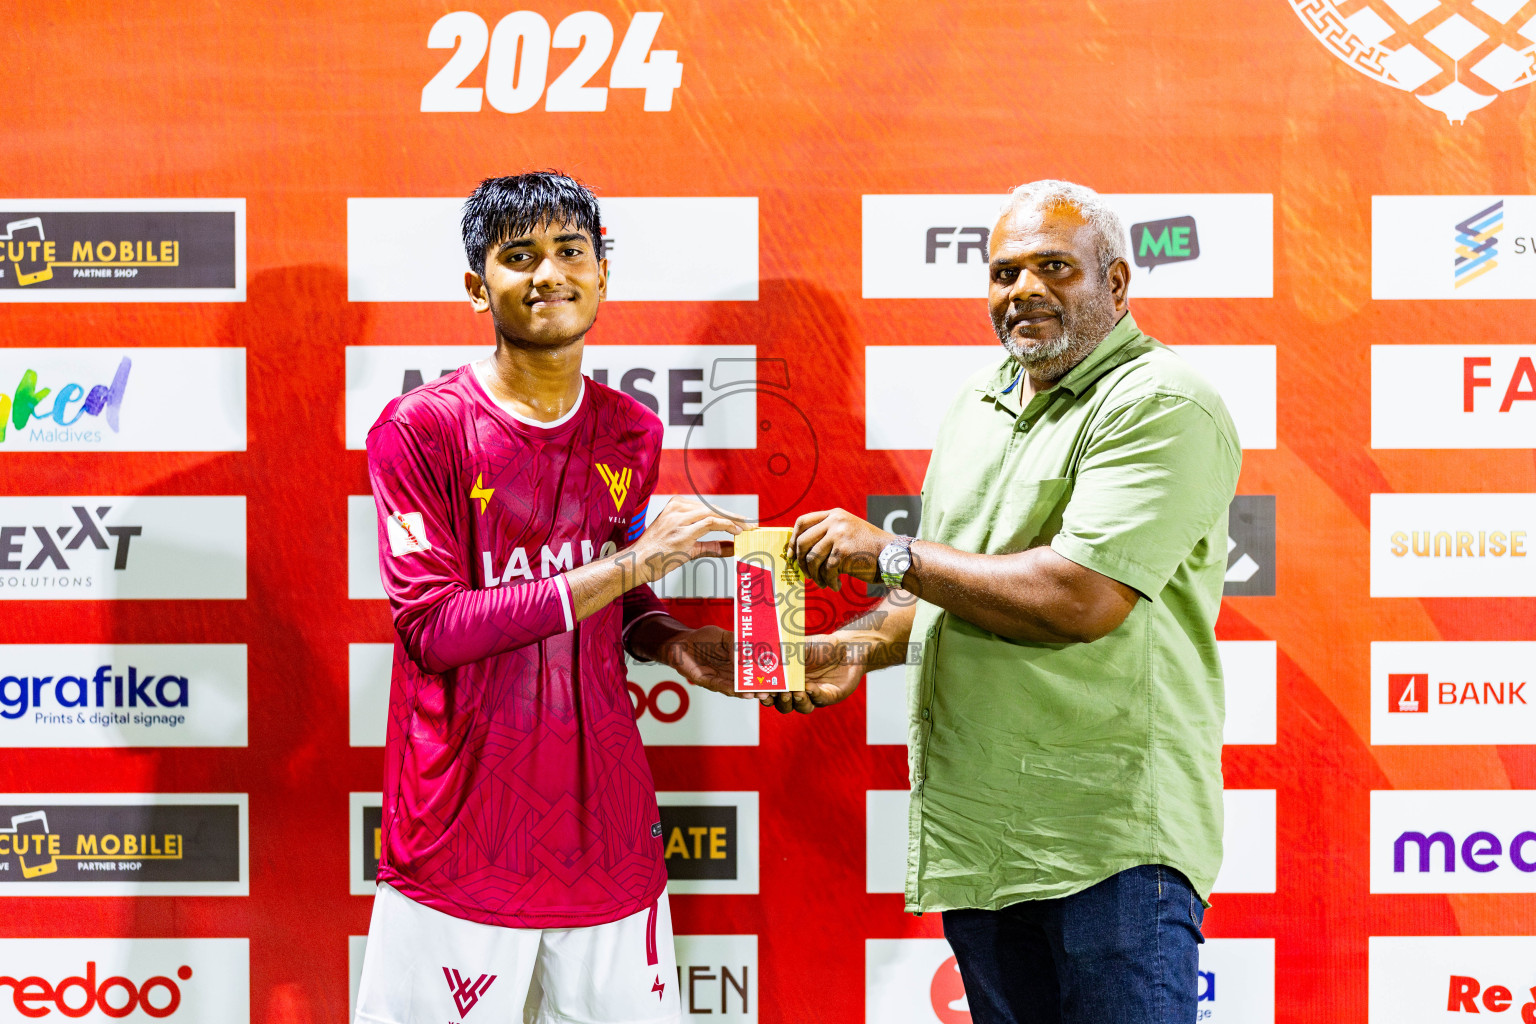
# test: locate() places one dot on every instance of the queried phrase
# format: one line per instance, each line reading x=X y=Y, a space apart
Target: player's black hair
x=503 y=208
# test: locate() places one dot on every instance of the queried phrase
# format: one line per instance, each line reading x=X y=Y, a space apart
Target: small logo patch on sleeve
x=407 y=535
x=656 y=830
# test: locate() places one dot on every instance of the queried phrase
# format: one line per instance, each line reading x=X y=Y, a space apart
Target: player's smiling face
x=542 y=287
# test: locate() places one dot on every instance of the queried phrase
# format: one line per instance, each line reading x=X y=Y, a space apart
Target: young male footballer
x=521 y=873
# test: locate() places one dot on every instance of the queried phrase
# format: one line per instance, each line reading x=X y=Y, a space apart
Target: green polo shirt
x=1040 y=769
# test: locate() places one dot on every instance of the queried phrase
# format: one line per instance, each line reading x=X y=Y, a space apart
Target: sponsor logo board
x=366 y=827
x=705 y=395
x=122 y=250
x=1435 y=979
x=106 y=548
x=363 y=580
x=357 y=949
x=123 y=695
x=1452 y=545
x=1250 y=547
x=671 y=713
x=710 y=841
x=917 y=981
x=1453 y=396
x=1427 y=48
x=1248 y=841
x=1452 y=693
x=1449 y=841
x=368 y=675
x=908 y=388
x=194 y=981
x=410 y=249
x=717 y=974
x=1453 y=247
x=123 y=844
x=1248 y=863
x=126 y=400
x=1213 y=245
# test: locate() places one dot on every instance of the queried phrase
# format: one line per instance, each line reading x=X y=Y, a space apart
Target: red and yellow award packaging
x=770 y=613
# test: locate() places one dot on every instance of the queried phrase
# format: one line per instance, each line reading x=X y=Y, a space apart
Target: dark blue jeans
x=1124 y=951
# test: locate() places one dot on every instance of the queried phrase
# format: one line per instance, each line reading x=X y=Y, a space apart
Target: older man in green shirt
x=1066 y=709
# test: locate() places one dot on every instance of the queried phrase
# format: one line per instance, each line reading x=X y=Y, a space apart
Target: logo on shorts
x=467 y=991
x=617 y=481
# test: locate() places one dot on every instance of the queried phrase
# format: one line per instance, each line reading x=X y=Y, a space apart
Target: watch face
x=901 y=561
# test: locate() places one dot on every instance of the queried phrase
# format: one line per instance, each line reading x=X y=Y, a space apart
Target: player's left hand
x=831 y=544
x=704 y=658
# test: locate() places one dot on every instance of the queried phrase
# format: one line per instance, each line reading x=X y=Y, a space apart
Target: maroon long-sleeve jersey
x=516 y=789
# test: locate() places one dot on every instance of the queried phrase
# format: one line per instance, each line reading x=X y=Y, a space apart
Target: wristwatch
x=894 y=561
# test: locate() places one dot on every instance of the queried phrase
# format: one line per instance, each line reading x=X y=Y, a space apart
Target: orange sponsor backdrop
x=808 y=106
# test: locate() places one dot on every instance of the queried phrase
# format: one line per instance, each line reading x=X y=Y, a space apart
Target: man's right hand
x=833 y=671
x=673 y=538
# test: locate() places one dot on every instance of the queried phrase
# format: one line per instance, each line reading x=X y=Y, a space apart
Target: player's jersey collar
x=525 y=421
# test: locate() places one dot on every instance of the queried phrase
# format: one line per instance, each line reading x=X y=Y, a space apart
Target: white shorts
x=427 y=967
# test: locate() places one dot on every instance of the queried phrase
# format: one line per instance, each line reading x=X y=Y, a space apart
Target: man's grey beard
x=1081 y=332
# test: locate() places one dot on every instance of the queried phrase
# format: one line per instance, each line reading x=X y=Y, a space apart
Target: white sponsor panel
x=1453 y=396
x=703 y=845
x=185 y=981
x=123 y=399
x=1453 y=247
x=672 y=713
x=1250 y=670
x=363 y=580
x=1452 y=693
x=411 y=249
x=123 y=695
x=909 y=388
x=1444 y=979
x=189 y=253
x=105 y=548
x=1190 y=245
x=703 y=577
x=124 y=844
x=361 y=885
x=1248 y=862
x=1248 y=841
x=705 y=395
x=913 y=981
x=885 y=704
x=368 y=674
x=1236 y=983
x=717 y=975
x=378 y=374
x=357 y=949
x=1452 y=545
x=1453 y=840
x=885 y=840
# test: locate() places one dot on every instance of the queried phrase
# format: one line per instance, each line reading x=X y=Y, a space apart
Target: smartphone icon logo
x=18 y=233
x=32 y=823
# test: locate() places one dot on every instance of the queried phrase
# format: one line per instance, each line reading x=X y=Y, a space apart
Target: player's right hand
x=673 y=538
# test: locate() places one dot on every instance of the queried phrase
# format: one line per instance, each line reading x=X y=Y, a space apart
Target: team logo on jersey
x=481 y=492
x=618 y=481
x=407 y=533
x=466 y=990
x=1453 y=57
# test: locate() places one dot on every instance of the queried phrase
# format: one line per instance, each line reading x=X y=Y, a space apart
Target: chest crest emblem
x=617 y=481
